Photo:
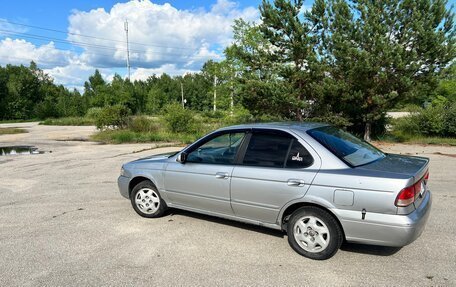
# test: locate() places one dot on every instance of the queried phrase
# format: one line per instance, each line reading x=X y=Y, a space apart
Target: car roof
x=301 y=126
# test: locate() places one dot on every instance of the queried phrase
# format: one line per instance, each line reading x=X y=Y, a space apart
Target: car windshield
x=345 y=146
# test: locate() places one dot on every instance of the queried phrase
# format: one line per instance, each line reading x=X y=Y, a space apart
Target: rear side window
x=267 y=149
x=298 y=157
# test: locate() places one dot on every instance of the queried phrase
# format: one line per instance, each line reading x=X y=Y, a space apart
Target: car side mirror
x=182 y=157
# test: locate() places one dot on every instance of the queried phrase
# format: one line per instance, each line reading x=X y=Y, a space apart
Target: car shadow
x=349 y=247
x=237 y=224
x=369 y=249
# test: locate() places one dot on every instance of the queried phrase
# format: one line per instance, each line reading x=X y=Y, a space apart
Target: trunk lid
x=413 y=167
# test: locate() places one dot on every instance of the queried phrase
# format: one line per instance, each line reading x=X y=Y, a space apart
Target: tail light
x=426 y=177
x=408 y=195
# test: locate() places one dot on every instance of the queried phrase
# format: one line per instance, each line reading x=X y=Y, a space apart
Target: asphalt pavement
x=64 y=223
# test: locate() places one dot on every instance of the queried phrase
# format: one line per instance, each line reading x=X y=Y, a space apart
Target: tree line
x=341 y=61
x=29 y=93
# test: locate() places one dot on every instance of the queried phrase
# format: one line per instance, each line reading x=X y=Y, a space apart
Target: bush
x=112 y=117
x=213 y=115
x=93 y=113
x=431 y=121
x=178 y=119
x=142 y=124
x=437 y=120
x=450 y=120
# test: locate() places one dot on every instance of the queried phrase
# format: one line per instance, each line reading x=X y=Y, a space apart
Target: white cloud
x=70 y=74
x=158 y=34
x=162 y=39
x=19 y=51
x=170 y=69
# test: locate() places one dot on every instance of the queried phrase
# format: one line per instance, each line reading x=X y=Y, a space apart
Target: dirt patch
x=445 y=154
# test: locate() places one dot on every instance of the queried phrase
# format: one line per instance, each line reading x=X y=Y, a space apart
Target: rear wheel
x=146 y=200
x=314 y=233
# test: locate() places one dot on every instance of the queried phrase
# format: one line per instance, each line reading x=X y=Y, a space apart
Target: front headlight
x=122 y=171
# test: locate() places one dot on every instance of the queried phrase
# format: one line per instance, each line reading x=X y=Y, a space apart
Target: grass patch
x=432 y=141
x=128 y=136
x=143 y=129
x=417 y=139
x=9 y=131
x=69 y=121
x=17 y=121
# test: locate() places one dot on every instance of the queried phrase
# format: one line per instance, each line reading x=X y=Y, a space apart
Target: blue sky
x=175 y=37
x=54 y=13
x=165 y=36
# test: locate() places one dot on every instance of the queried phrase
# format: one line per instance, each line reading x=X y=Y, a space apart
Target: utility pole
x=128 y=49
x=182 y=94
x=232 y=98
x=215 y=93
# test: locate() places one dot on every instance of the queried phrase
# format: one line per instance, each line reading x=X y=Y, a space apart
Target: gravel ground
x=64 y=223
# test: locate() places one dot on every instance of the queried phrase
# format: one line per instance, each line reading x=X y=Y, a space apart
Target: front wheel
x=146 y=200
x=314 y=233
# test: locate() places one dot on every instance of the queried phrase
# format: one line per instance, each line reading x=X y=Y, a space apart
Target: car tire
x=314 y=233
x=146 y=200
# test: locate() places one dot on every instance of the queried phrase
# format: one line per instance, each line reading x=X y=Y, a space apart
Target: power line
x=62 y=41
x=67 y=60
x=88 y=45
x=89 y=36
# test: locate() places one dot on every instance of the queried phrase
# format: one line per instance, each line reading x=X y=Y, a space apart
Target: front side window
x=219 y=150
x=345 y=146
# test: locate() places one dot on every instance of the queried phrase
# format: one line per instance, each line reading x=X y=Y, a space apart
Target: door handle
x=295 y=182
x=221 y=175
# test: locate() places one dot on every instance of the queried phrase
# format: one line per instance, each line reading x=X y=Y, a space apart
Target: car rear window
x=345 y=146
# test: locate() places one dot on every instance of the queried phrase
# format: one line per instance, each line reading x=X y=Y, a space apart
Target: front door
x=203 y=181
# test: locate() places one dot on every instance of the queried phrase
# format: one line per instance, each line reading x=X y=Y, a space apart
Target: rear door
x=276 y=168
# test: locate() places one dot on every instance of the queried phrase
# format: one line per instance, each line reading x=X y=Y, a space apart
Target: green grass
x=8 y=131
x=141 y=129
x=17 y=121
x=417 y=139
x=128 y=136
x=432 y=141
x=69 y=121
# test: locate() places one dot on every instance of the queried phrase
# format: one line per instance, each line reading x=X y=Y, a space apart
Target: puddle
x=18 y=150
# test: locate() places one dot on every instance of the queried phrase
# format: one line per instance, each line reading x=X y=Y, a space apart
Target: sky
x=70 y=39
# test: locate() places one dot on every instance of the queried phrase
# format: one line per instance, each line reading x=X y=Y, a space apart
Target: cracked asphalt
x=64 y=223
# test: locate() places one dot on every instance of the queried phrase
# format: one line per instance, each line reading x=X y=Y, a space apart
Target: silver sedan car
x=316 y=182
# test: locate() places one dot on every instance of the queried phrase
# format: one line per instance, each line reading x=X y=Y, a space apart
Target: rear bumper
x=123 y=183
x=386 y=229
